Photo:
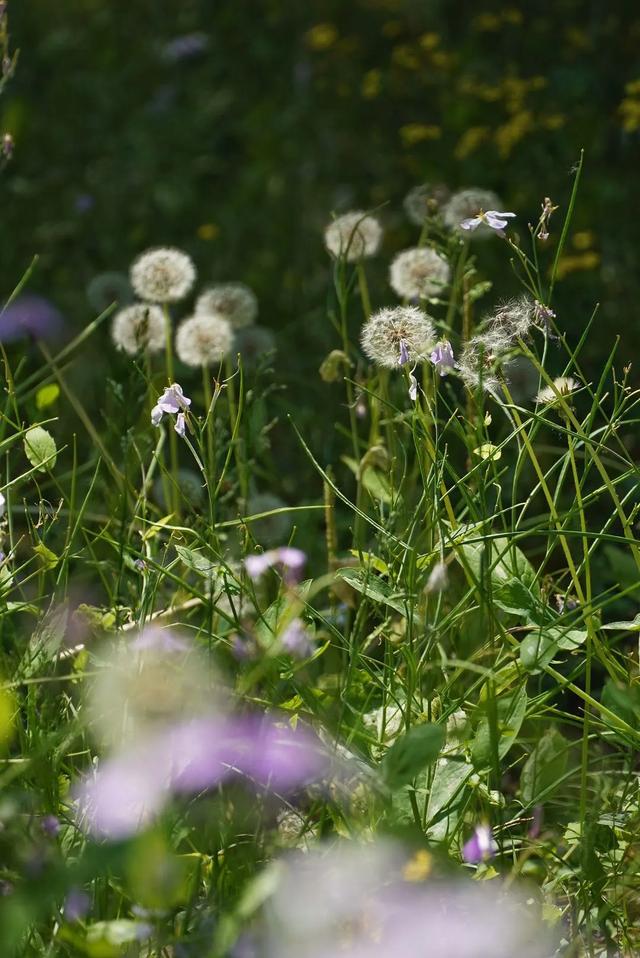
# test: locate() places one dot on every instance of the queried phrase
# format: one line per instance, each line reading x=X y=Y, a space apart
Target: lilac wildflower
x=180 y=425
x=296 y=640
x=480 y=847
x=492 y=218
x=77 y=905
x=30 y=316
x=543 y=314
x=174 y=402
x=185 y=47
x=290 y=560
x=442 y=357
x=50 y=825
x=3 y=505
x=404 y=353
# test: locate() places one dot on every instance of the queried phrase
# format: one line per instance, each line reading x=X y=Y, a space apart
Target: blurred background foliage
x=233 y=130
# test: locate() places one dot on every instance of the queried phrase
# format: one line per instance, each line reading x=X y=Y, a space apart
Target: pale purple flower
x=159 y=640
x=180 y=425
x=442 y=357
x=288 y=559
x=480 y=847
x=174 y=402
x=76 y=905
x=32 y=316
x=404 y=353
x=543 y=314
x=492 y=218
x=185 y=47
x=50 y=825
x=296 y=640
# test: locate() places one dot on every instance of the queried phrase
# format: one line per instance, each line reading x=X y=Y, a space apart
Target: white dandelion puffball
x=139 y=328
x=203 y=340
x=466 y=204
x=392 y=337
x=163 y=275
x=235 y=301
x=424 y=201
x=353 y=236
x=419 y=272
x=562 y=387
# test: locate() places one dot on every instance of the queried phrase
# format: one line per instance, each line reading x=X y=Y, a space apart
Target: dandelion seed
x=139 y=328
x=438 y=579
x=512 y=321
x=480 y=847
x=393 y=337
x=353 y=236
x=423 y=201
x=442 y=357
x=419 y=272
x=236 y=302
x=172 y=401
x=204 y=339
x=492 y=218
x=562 y=387
x=163 y=275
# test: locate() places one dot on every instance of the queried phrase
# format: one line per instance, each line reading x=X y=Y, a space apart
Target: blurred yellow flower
x=419 y=132
x=554 y=121
x=512 y=15
x=630 y=108
x=471 y=140
x=486 y=22
x=208 y=231
x=371 y=84
x=321 y=36
x=511 y=132
x=574 y=264
x=392 y=28
x=584 y=239
x=405 y=56
x=429 y=41
x=419 y=867
x=632 y=88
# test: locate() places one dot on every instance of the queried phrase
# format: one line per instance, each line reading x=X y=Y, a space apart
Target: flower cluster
x=173 y=402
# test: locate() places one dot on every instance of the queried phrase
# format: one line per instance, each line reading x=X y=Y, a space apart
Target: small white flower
x=139 y=327
x=438 y=578
x=466 y=204
x=163 y=275
x=353 y=236
x=492 y=218
x=562 y=387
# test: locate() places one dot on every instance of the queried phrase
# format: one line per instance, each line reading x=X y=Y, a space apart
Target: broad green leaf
x=541 y=645
x=374 y=588
x=40 y=448
x=409 y=755
x=48 y=559
x=510 y=713
x=449 y=777
x=369 y=559
x=47 y=395
x=544 y=768
x=622 y=700
x=627 y=626
x=506 y=562
x=195 y=561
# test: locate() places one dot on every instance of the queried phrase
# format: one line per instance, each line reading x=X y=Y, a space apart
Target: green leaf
x=47 y=395
x=506 y=563
x=545 y=767
x=622 y=700
x=510 y=713
x=408 y=755
x=628 y=626
x=40 y=448
x=374 y=588
x=48 y=558
x=449 y=777
x=195 y=561
x=541 y=645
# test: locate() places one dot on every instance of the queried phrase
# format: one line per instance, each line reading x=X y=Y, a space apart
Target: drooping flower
x=413 y=388
x=30 y=316
x=492 y=218
x=204 y=339
x=543 y=315
x=139 y=328
x=480 y=847
x=180 y=424
x=554 y=393
x=235 y=301
x=442 y=357
x=163 y=275
x=396 y=336
x=289 y=559
x=172 y=401
x=419 y=272
x=353 y=236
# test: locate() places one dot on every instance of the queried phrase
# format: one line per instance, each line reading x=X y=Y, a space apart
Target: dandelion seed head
x=419 y=272
x=467 y=204
x=139 y=328
x=253 y=343
x=513 y=319
x=163 y=275
x=424 y=201
x=404 y=332
x=107 y=288
x=204 y=339
x=353 y=236
x=562 y=387
x=476 y=363
x=236 y=302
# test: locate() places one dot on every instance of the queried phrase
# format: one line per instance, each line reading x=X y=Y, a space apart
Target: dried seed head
x=419 y=272
x=562 y=387
x=163 y=275
x=203 y=340
x=235 y=301
x=393 y=337
x=139 y=328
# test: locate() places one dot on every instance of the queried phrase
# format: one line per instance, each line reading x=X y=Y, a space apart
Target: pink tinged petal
x=471 y=224
x=180 y=425
x=496 y=220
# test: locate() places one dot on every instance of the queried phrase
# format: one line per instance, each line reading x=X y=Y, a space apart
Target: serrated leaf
x=47 y=395
x=40 y=448
x=411 y=753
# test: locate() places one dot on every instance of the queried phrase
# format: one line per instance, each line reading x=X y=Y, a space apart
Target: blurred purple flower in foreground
x=291 y=561
x=130 y=788
x=32 y=316
x=296 y=640
x=355 y=901
x=76 y=905
x=480 y=847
